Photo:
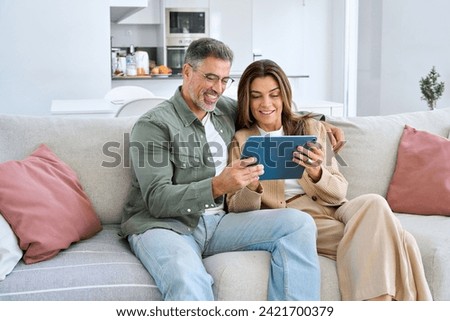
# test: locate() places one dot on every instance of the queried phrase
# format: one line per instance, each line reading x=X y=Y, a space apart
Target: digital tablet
x=275 y=153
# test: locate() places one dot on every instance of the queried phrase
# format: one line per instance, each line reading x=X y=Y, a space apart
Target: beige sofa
x=103 y=267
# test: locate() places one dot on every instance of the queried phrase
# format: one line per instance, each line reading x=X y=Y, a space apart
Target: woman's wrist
x=255 y=188
x=315 y=173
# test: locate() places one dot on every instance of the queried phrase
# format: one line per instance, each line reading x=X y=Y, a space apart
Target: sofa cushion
x=244 y=275
x=433 y=238
x=95 y=148
x=254 y=265
x=368 y=158
x=45 y=205
x=96 y=269
x=104 y=268
x=421 y=181
x=10 y=252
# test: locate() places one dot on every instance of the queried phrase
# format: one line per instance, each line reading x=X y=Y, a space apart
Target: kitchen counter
x=84 y=107
x=160 y=76
x=104 y=108
x=179 y=76
x=167 y=87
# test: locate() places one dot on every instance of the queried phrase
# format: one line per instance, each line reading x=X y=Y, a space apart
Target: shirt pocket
x=186 y=168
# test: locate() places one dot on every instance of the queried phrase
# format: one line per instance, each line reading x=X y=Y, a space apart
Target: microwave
x=183 y=25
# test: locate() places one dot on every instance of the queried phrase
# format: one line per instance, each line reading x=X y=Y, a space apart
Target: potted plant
x=431 y=89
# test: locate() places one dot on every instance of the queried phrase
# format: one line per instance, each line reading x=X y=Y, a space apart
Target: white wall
x=399 y=43
x=52 y=49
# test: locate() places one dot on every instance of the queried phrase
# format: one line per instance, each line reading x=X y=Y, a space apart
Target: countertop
x=179 y=76
x=160 y=76
x=84 y=107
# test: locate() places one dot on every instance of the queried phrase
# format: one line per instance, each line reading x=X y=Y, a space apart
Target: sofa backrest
x=370 y=154
x=94 y=148
x=90 y=146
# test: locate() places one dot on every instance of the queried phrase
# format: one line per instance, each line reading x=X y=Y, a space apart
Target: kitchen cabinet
x=295 y=34
x=121 y=9
x=278 y=33
x=149 y=15
x=257 y=29
x=161 y=87
x=186 y=4
x=328 y=108
x=231 y=22
x=303 y=37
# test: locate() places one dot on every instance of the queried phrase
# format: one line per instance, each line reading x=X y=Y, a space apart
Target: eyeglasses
x=213 y=78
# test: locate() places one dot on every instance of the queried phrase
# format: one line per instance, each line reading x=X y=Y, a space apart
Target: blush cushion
x=421 y=180
x=43 y=201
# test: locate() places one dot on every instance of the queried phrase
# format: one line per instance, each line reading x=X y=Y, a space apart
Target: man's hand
x=336 y=136
x=237 y=175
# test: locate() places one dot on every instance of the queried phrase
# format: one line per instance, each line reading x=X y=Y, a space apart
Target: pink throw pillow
x=421 y=180
x=43 y=201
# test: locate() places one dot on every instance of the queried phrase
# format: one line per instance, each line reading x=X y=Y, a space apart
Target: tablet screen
x=275 y=153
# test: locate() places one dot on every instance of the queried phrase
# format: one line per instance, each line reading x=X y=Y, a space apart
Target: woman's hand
x=311 y=158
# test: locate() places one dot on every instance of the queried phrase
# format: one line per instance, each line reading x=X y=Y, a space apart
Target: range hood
x=121 y=9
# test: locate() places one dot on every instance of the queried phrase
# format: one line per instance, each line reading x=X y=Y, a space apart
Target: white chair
x=138 y=107
x=123 y=94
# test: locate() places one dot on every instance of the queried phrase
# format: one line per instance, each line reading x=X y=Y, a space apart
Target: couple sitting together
x=206 y=200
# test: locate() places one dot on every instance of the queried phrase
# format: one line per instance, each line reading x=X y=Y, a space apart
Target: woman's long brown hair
x=293 y=124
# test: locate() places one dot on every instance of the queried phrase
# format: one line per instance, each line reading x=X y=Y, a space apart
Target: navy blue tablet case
x=275 y=153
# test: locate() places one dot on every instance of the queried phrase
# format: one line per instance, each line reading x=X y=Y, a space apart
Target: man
x=175 y=215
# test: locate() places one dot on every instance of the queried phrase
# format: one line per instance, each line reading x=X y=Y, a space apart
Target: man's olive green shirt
x=173 y=166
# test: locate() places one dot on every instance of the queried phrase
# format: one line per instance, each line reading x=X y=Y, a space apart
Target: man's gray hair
x=203 y=48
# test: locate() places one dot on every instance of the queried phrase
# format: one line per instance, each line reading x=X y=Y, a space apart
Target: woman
x=376 y=258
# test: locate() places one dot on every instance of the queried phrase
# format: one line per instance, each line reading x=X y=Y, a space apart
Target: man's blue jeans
x=175 y=261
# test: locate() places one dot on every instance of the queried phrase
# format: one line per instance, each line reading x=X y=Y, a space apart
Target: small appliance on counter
x=140 y=58
x=142 y=63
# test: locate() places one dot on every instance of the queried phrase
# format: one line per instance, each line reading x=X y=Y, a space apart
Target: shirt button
x=206 y=205
x=314 y=198
x=212 y=205
x=188 y=210
x=221 y=131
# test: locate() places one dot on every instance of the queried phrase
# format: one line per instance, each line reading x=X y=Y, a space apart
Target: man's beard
x=200 y=103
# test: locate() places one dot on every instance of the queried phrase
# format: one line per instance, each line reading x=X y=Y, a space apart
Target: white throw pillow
x=10 y=252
